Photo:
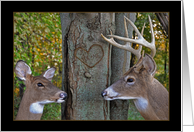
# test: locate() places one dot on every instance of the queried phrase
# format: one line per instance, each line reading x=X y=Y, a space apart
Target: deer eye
x=40 y=85
x=130 y=80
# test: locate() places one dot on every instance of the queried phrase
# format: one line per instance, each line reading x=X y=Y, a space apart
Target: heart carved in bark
x=91 y=57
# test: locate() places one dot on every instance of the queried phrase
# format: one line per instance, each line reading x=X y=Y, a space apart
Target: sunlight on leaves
x=34 y=35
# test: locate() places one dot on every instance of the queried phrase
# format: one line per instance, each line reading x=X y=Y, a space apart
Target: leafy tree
x=161 y=42
x=38 y=41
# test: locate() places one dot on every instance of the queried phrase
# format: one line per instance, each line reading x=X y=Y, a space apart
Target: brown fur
x=33 y=93
x=147 y=87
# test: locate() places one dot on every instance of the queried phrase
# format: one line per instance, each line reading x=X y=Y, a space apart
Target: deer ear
x=22 y=69
x=139 y=64
x=149 y=64
x=48 y=74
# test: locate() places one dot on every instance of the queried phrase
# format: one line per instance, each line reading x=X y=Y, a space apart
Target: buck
x=138 y=83
x=39 y=91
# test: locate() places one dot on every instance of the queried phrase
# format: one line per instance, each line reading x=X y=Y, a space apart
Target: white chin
x=122 y=98
x=60 y=100
x=107 y=98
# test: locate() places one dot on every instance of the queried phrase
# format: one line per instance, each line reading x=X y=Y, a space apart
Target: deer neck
x=24 y=109
x=144 y=107
x=154 y=103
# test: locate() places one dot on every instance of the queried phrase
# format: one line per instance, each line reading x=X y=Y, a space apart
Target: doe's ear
x=149 y=64
x=22 y=69
x=49 y=73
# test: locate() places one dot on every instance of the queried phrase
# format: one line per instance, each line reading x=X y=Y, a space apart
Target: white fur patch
x=46 y=102
x=125 y=98
x=60 y=100
x=107 y=98
x=111 y=92
x=22 y=78
x=36 y=108
x=141 y=103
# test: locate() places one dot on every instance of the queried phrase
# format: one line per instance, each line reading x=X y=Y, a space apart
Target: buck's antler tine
x=152 y=32
x=126 y=31
x=111 y=41
x=152 y=44
x=135 y=52
x=133 y=25
x=140 y=46
x=140 y=39
x=143 y=29
x=125 y=47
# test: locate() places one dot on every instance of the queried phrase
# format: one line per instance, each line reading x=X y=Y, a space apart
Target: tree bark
x=120 y=63
x=86 y=64
x=164 y=19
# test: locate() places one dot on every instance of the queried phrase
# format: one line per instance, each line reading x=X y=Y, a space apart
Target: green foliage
x=161 y=43
x=38 y=41
x=52 y=111
x=133 y=113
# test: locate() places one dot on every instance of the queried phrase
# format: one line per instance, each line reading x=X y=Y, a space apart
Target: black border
x=7 y=9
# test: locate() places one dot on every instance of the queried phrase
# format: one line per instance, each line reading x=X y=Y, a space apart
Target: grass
x=133 y=113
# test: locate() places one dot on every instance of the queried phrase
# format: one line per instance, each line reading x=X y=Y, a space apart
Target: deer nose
x=63 y=95
x=104 y=93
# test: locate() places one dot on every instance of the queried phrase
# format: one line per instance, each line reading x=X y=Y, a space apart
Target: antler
x=141 y=41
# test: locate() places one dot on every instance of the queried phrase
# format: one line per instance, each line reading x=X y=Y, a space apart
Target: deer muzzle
x=103 y=93
x=63 y=95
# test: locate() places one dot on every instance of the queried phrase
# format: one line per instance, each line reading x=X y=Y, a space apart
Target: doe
x=39 y=91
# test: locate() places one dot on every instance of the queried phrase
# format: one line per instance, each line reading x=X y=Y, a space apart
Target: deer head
x=39 y=91
x=138 y=83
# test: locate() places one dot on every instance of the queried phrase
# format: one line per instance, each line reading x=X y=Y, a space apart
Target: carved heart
x=91 y=57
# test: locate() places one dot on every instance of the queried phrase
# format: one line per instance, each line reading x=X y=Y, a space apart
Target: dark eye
x=40 y=85
x=130 y=80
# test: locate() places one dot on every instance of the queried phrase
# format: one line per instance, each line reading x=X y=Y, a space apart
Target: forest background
x=38 y=41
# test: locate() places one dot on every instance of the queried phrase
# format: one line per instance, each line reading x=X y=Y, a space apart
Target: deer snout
x=63 y=95
x=109 y=94
x=104 y=93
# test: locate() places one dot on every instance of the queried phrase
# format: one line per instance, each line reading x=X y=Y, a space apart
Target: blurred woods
x=161 y=42
x=38 y=41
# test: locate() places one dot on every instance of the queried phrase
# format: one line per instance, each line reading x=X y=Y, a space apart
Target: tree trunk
x=120 y=63
x=164 y=19
x=86 y=64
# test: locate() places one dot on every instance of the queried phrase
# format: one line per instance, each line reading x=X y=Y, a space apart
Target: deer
x=150 y=97
x=39 y=91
